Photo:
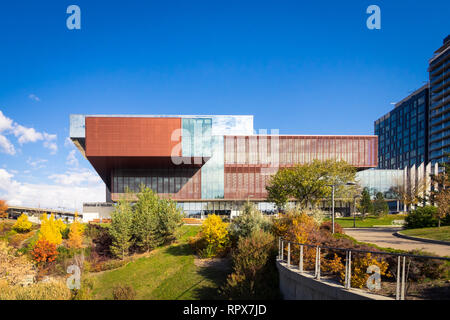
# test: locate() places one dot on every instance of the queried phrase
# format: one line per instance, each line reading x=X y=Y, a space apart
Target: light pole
x=332 y=200
x=354 y=210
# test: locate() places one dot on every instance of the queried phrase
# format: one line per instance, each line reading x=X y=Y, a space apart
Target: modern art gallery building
x=206 y=163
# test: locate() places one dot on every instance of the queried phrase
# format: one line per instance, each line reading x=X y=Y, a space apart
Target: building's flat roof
x=415 y=92
x=161 y=115
x=302 y=135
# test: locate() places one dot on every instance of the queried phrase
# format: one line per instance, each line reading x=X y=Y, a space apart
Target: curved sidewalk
x=384 y=237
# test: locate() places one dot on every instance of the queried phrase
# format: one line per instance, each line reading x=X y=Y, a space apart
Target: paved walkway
x=384 y=237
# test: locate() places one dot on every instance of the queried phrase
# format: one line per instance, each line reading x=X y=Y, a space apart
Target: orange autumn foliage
x=75 y=234
x=3 y=209
x=44 y=251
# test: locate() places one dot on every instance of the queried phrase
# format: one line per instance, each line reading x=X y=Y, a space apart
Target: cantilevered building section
x=205 y=163
x=440 y=103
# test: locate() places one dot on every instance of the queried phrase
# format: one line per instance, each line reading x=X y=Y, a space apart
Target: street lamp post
x=332 y=200
x=332 y=207
x=354 y=211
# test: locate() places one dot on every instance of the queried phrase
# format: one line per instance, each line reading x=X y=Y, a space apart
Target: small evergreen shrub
x=422 y=217
x=249 y=220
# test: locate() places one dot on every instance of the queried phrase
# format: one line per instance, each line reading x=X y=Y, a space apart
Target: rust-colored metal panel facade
x=251 y=160
x=359 y=151
x=131 y=136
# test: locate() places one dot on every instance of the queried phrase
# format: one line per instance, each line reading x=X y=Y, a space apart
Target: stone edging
x=398 y=234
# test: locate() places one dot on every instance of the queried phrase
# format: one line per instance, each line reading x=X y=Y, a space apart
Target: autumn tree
x=215 y=233
x=75 y=234
x=280 y=189
x=441 y=195
x=3 y=209
x=51 y=229
x=121 y=228
x=442 y=200
x=411 y=194
x=44 y=251
x=309 y=183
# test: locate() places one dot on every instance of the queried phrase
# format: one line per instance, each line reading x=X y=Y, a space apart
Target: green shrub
x=120 y=229
x=65 y=233
x=250 y=220
x=380 y=206
x=422 y=217
x=64 y=253
x=124 y=292
x=254 y=272
x=155 y=220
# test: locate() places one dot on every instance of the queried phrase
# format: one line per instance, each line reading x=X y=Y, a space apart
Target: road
x=384 y=237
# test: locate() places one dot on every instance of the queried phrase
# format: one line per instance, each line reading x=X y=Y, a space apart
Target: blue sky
x=302 y=67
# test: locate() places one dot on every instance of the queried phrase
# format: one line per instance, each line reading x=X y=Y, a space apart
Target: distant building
x=418 y=128
x=439 y=114
x=403 y=132
x=411 y=180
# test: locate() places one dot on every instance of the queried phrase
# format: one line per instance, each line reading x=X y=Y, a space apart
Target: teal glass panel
x=213 y=171
x=196 y=137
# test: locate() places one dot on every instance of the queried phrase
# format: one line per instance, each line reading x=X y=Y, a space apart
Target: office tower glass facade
x=439 y=103
x=402 y=133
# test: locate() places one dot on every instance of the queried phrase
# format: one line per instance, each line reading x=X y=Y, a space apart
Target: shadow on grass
x=208 y=288
x=180 y=250
x=213 y=275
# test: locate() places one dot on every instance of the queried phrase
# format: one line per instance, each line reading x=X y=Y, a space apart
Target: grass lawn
x=442 y=233
x=168 y=272
x=347 y=222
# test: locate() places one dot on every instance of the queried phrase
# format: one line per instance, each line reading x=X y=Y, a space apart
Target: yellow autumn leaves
x=52 y=229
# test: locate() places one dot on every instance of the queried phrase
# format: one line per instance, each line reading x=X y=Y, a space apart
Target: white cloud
x=6 y=146
x=76 y=177
x=72 y=159
x=68 y=143
x=34 y=97
x=49 y=137
x=37 y=164
x=52 y=146
x=5 y=122
x=23 y=135
x=52 y=196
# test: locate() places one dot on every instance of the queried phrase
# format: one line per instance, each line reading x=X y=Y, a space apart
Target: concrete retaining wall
x=302 y=286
